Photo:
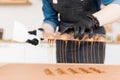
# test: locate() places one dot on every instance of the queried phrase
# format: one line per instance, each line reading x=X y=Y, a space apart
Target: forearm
x=47 y=28
x=108 y=14
x=50 y=15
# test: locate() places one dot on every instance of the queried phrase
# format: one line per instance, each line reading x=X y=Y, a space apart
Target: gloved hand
x=85 y=26
x=38 y=34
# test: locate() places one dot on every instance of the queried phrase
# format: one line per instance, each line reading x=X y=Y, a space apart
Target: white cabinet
x=38 y=54
x=12 y=52
x=112 y=54
x=27 y=53
x=43 y=53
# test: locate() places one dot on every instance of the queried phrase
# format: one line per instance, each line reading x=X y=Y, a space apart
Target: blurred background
x=29 y=13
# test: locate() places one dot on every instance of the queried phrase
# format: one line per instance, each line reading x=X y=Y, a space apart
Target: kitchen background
x=31 y=16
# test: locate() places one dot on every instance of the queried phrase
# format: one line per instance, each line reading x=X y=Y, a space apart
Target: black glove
x=85 y=25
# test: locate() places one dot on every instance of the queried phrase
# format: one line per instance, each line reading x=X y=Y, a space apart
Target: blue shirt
x=51 y=16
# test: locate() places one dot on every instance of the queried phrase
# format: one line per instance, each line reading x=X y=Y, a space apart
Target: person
x=79 y=17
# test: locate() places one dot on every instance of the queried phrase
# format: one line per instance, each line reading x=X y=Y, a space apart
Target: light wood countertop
x=114 y=42
x=11 y=41
x=3 y=64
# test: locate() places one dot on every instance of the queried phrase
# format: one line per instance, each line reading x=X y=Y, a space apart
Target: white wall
x=30 y=15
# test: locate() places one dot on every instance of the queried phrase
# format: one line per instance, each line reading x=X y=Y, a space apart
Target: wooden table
x=59 y=72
